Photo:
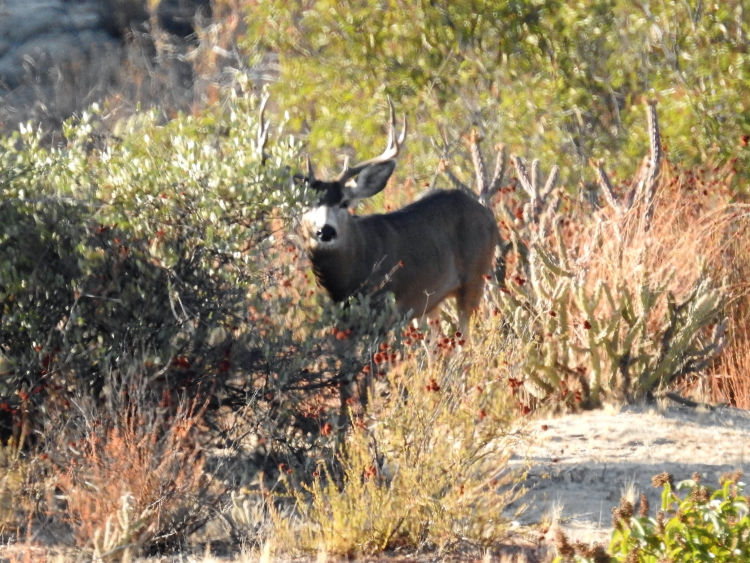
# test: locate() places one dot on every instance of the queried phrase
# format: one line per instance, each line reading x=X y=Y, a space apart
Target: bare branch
x=501 y=162
x=478 y=160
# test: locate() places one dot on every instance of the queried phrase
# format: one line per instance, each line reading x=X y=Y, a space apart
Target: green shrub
x=162 y=246
x=148 y=240
x=702 y=525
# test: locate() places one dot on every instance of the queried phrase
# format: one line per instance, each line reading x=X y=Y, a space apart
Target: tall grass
x=135 y=482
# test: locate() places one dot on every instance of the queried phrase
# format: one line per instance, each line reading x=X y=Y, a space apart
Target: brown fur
x=437 y=247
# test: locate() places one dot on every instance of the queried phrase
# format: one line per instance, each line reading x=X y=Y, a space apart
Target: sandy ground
x=583 y=463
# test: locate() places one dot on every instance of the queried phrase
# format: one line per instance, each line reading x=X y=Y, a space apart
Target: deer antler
x=391 y=150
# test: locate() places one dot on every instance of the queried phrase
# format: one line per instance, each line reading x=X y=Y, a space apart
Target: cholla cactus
x=122 y=531
x=486 y=187
x=599 y=315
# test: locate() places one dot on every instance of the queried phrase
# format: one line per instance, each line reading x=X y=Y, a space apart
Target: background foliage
x=555 y=78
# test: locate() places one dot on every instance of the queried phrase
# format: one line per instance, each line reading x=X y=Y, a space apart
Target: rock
x=57 y=56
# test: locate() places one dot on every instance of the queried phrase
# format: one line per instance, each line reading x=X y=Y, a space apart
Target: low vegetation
x=704 y=524
x=425 y=468
x=609 y=297
x=172 y=378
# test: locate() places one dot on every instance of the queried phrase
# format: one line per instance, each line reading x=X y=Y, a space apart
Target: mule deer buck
x=439 y=246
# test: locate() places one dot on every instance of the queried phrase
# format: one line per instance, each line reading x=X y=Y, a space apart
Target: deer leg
x=463 y=323
x=467 y=301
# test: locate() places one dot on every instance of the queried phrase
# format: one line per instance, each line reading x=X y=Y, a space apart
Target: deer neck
x=345 y=270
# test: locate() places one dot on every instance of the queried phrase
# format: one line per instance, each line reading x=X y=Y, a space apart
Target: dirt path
x=583 y=463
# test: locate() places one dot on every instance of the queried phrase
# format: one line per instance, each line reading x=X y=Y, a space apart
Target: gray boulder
x=58 y=56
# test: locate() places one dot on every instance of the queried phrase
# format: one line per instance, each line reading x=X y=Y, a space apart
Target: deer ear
x=372 y=180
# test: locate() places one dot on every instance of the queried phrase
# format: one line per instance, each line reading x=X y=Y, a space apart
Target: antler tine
x=393 y=142
x=402 y=135
x=391 y=126
x=310 y=173
x=391 y=150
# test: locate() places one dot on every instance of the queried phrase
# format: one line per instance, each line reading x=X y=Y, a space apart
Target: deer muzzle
x=326 y=234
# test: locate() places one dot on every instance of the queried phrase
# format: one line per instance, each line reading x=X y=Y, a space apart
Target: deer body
x=439 y=246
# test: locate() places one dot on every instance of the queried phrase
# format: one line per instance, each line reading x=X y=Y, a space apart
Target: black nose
x=326 y=234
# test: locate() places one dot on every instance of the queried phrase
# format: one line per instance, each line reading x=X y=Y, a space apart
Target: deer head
x=328 y=224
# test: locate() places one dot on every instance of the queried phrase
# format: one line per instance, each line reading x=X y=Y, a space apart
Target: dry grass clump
x=699 y=230
x=687 y=231
x=423 y=469
x=132 y=483
x=729 y=376
x=672 y=253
